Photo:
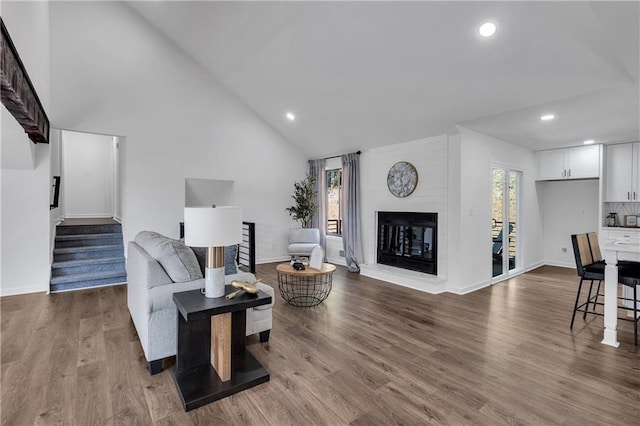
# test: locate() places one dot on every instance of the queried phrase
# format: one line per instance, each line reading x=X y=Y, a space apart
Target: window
x=334 y=184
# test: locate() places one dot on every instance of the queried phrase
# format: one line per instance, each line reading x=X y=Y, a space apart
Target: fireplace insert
x=408 y=240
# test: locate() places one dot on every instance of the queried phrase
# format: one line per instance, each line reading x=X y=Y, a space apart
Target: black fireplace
x=408 y=240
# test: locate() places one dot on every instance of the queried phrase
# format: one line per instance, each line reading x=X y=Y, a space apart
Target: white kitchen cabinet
x=582 y=162
x=551 y=165
x=631 y=234
x=622 y=175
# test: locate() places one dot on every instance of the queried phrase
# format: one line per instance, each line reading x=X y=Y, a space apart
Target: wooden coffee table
x=305 y=288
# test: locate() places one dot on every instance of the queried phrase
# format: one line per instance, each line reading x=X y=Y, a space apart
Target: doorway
x=90 y=178
x=505 y=229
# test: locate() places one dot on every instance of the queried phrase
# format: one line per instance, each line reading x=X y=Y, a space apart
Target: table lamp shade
x=212 y=226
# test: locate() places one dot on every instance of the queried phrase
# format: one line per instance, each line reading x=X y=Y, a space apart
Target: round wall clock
x=402 y=179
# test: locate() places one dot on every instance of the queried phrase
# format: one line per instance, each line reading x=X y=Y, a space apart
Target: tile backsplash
x=622 y=209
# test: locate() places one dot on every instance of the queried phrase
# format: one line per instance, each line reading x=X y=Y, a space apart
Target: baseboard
x=89 y=216
x=89 y=288
x=272 y=260
x=486 y=283
x=470 y=288
x=534 y=266
x=340 y=261
x=15 y=291
x=118 y=219
x=560 y=264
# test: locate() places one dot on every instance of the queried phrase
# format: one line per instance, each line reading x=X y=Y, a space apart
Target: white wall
x=26 y=227
x=455 y=181
x=477 y=154
x=55 y=148
x=55 y=161
x=114 y=74
x=206 y=192
x=17 y=151
x=88 y=174
x=24 y=185
x=429 y=156
x=454 y=239
x=568 y=207
x=117 y=187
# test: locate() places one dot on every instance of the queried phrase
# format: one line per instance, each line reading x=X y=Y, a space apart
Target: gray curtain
x=351 y=233
x=319 y=220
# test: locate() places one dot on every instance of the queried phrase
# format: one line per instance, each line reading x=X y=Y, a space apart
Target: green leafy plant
x=304 y=196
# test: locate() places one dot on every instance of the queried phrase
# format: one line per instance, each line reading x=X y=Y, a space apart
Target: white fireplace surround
x=430 y=158
x=428 y=283
x=420 y=281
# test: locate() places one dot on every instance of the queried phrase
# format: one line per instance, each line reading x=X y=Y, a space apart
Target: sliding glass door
x=505 y=258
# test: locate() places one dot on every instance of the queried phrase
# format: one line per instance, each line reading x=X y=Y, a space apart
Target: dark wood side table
x=212 y=361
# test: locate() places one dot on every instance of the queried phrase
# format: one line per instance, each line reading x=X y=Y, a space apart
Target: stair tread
x=87 y=229
x=66 y=237
x=58 y=288
x=82 y=262
x=87 y=248
x=87 y=255
x=87 y=276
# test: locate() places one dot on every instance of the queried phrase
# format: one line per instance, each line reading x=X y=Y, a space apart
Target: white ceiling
x=365 y=74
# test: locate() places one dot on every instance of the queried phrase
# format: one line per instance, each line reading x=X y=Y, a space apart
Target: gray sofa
x=157 y=267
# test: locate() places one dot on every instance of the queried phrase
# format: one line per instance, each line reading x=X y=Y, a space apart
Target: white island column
x=614 y=250
x=611 y=298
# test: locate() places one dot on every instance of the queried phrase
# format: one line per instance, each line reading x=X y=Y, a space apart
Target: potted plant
x=304 y=195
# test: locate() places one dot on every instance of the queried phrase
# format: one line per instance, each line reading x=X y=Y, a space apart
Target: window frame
x=327 y=188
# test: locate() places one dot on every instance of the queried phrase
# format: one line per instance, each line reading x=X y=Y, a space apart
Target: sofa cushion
x=230 y=265
x=301 y=249
x=176 y=259
x=269 y=290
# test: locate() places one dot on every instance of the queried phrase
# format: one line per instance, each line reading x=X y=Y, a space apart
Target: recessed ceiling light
x=487 y=29
x=291 y=116
x=589 y=142
x=547 y=117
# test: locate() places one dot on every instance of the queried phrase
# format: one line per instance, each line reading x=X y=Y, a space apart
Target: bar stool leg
x=586 y=308
x=575 y=306
x=635 y=315
x=595 y=304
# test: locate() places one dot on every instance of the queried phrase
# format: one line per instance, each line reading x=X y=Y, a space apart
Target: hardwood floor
x=372 y=353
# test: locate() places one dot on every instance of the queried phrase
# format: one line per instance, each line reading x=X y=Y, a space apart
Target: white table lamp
x=213 y=228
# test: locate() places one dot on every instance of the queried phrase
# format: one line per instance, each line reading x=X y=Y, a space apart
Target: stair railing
x=246 y=254
x=56 y=193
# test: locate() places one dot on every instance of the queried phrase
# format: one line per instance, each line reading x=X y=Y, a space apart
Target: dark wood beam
x=18 y=94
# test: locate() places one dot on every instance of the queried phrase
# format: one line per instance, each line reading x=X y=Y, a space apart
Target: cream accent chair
x=157 y=267
x=302 y=241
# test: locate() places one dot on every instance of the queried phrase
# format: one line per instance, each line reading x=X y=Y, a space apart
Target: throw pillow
x=230 y=265
x=176 y=259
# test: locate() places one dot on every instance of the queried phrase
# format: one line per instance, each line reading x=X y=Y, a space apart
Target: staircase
x=87 y=255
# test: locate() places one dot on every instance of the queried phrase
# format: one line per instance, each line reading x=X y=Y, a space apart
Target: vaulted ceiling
x=364 y=74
